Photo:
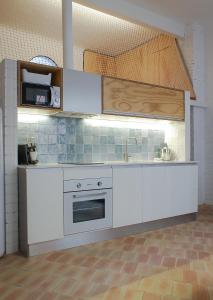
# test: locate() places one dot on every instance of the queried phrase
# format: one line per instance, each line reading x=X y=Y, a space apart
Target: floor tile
x=174 y=263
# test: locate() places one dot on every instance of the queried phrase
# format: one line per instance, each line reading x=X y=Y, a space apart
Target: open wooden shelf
x=57 y=80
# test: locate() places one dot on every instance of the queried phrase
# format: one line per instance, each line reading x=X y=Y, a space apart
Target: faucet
x=126 y=153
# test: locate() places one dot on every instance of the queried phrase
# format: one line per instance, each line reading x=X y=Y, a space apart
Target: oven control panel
x=87 y=184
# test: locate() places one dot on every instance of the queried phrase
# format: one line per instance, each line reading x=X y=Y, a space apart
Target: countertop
x=108 y=164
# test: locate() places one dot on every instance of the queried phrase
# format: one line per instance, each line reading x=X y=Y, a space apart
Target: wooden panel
x=158 y=62
x=99 y=64
x=132 y=98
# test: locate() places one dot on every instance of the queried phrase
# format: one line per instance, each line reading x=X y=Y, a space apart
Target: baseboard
x=85 y=238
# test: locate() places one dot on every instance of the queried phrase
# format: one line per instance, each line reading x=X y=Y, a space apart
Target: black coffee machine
x=26 y=154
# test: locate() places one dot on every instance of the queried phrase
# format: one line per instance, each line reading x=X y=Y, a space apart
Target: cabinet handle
x=88 y=195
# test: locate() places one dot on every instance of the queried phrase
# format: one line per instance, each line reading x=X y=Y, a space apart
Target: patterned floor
x=168 y=264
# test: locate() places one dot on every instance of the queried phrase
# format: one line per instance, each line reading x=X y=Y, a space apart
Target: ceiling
x=186 y=11
x=107 y=34
x=40 y=16
x=92 y=29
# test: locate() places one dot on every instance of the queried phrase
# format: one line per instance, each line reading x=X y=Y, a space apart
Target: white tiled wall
x=8 y=92
x=176 y=140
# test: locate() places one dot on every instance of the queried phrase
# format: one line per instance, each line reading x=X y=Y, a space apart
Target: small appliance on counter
x=27 y=154
x=166 y=153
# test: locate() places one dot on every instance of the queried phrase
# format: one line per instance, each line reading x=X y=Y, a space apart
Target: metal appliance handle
x=88 y=195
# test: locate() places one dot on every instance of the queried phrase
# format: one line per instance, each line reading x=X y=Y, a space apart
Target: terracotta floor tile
x=143 y=258
x=182 y=290
x=140 y=241
x=114 y=293
x=189 y=276
x=130 y=267
x=174 y=263
x=147 y=284
x=200 y=292
x=151 y=296
x=163 y=286
x=152 y=250
x=155 y=259
x=182 y=262
x=169 y=262
x=133 y=295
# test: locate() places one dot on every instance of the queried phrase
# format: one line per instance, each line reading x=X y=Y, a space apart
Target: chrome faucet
x=126 y=153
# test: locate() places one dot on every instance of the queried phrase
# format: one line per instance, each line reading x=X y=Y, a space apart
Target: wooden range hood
x=158 y=62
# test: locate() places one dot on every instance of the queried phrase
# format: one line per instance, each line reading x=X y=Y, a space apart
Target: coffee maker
x=27 y=154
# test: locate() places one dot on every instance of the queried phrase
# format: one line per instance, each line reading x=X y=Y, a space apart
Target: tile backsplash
x=69 y=139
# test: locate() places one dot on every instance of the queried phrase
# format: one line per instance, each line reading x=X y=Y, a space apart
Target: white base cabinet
x=40 y=205
x=153 y=192
x=126 y=196
x=168 y=191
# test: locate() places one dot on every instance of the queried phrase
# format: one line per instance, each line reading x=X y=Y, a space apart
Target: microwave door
x=37 y=95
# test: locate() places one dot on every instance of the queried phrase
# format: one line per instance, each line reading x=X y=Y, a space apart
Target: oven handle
x=89 y=195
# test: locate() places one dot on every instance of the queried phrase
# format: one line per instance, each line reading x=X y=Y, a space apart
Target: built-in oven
x=87 y=205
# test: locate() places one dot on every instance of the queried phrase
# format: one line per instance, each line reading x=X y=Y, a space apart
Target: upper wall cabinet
x=124 y=97
x=39 y=87
x=82 y=92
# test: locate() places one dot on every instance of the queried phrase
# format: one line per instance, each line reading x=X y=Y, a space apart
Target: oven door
x=87 y=211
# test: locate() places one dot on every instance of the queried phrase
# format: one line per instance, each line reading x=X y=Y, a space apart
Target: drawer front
x=87 y=172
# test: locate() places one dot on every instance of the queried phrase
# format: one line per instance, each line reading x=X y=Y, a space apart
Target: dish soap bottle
x=166 y=153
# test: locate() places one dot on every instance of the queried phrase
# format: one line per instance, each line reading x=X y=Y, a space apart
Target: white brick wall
x=8 y=91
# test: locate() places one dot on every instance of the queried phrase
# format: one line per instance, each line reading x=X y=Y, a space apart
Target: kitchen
x=88 y=159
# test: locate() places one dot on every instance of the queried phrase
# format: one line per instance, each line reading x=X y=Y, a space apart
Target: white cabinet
x=184 y=189
x=40 y=205
x=155 y=193
x=168 y=191
x=127 y=203
x=81 y=92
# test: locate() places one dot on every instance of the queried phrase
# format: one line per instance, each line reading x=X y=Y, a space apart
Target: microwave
x=36 y=94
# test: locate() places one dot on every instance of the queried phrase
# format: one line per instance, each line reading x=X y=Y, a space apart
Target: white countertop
x=107 y=164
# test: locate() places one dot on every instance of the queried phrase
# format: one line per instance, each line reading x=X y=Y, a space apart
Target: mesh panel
x=105 y=35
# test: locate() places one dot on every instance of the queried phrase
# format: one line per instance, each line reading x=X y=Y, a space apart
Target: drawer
x=87 y=172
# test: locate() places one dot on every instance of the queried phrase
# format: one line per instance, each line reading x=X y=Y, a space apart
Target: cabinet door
x=82 y=92
x=127 y=206
x=155 y=193
x=125 y=97
x=183 y=189
x=44 y=205
x=169 y=191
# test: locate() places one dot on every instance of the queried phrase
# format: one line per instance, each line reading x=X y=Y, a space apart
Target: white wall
x=209 y=114
x=19 y=44
x=193 y=51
